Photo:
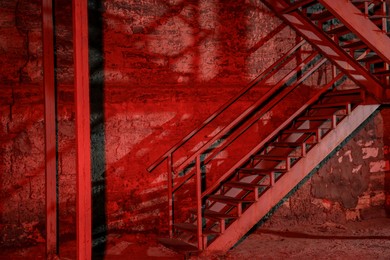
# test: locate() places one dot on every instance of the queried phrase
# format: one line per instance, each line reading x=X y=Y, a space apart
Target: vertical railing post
x=198 y=184
x=170 y=195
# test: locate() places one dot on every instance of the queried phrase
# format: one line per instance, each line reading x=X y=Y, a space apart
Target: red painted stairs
x=226 y=208
x=353 y=34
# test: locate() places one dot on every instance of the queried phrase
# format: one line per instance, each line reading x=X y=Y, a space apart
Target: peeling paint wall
x=352 y=185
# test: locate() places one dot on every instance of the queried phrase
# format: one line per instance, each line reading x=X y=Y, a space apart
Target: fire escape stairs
x=255 y=185
x=247 y=195
x=353 y=34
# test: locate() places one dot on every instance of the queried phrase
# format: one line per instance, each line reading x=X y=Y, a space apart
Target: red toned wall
x=352 y=185
x=158 y=69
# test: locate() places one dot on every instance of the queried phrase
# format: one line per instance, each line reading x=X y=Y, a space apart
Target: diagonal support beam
x=327 y=47
x=83 y=136
x=360 y=25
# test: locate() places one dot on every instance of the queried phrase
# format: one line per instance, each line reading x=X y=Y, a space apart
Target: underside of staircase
x=348 y=40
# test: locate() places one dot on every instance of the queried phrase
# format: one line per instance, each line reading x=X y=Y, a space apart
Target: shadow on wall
x=167 y=64
x=98 y=155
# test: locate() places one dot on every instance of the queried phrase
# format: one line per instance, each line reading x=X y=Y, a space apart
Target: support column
x=50 y=128
x=83 y=142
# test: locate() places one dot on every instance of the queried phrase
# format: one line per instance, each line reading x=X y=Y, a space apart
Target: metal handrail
x=248 y=111
x=225 y=106
x=251 y=109
x=272 y=135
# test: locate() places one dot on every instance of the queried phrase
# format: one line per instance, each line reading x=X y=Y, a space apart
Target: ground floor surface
x=368 y=239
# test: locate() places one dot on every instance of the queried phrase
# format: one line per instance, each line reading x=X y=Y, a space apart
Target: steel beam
x=83 y=137
x=50 y=128
x=360 y=25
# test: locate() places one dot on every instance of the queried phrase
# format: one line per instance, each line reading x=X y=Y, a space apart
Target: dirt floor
x=369 y=239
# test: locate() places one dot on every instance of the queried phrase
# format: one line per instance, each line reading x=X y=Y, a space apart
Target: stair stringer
x=290 y=180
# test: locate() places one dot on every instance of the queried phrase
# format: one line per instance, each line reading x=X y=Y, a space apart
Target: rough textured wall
x=167 y=66
x=21 y=123
x=352 y=185
x=158 y=69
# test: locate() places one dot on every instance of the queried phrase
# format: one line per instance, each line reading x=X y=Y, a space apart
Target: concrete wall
x=158 y=69
x=352 y=185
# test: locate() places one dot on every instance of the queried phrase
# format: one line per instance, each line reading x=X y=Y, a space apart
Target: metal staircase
x=353 y=34
x=214 y=200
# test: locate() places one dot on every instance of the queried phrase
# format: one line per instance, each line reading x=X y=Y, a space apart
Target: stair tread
x=193 y=228
x=259 y=171
x=178 y=245
x=223 y=198
x=297 y=5
x=213 y=214
x=271 y=157
x=286 y=144
x=239 y=184
x=338 y=30
x=316 y=118
x=328 y=105
x=321 y=15
x=382 y=73
x=309 y=130
x=208 y=213
x=371 y=58
x=355 y=45
x=378 y=16
x=344 y=92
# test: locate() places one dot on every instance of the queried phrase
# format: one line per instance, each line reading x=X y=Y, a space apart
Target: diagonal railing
x=191 y=166
x=288 y=56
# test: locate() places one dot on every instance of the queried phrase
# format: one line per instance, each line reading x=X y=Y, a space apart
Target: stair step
x=359 y=3
x=298 y=4
x=193 y=228
x=316 y=118
x=270 y=157
x=371 y=58
x=229 y=200
x=378 y=16
x=256 y=171
x=244 y=185
x=178 y=245
x=321 y=15
x=331 y=105
x=286 y=144
x=355 y=45
x=338 y=30
x=344 y=92
x=311 y=130
x=208 y=213
x=382 y=73
x=364 y=1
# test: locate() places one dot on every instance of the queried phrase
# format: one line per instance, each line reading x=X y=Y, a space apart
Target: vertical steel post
x=50 y=127
x=83 y=142
x=170 y=195
x=198 y=184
